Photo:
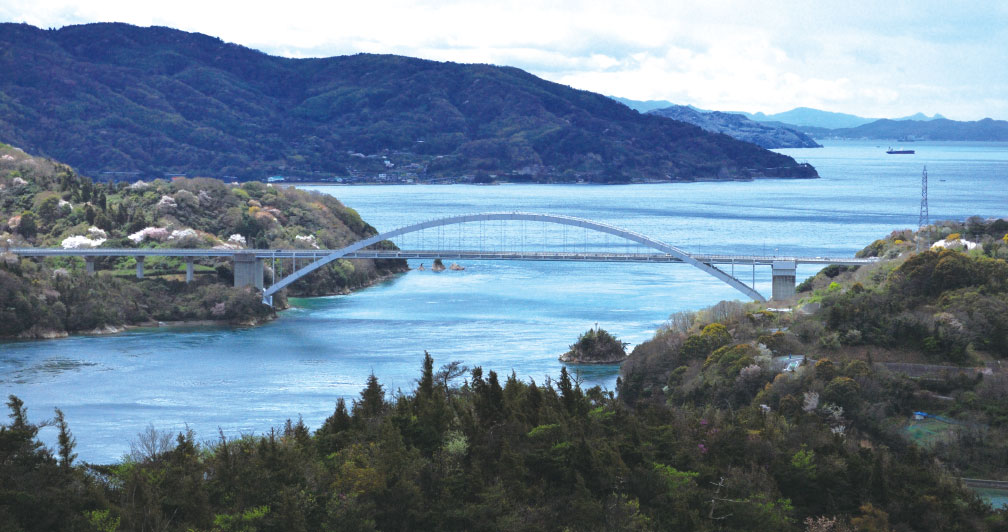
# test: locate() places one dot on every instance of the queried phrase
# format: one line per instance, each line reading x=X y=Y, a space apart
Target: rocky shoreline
x=108 y=329
x=573 y=358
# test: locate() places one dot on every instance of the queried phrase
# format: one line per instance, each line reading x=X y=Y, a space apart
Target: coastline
x=496 y=182
x=108 y=330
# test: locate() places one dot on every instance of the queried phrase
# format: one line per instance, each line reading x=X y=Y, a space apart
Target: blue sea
x=504 y=316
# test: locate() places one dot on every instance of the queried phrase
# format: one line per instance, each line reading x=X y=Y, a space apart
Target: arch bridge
x=249 y=264
x=783 y=268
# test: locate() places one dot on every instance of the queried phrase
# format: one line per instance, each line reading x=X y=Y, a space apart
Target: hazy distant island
x=121 y=102
x=940 y=129
x=778 y=130
x=769 y=136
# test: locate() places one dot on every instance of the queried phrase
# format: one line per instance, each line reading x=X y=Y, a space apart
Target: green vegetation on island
x=903 y=357
x=731 y=418
x=939 y=129
x=596 y=346
x=47 y=204
x=121 y=101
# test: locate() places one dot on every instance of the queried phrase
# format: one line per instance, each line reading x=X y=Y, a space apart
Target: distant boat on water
x=891 y=151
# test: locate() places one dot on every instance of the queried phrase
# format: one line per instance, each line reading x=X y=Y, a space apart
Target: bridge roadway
x=742 y=260
x=449 y=254
x=248 y=263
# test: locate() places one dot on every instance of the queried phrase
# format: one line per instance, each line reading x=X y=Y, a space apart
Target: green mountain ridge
x=157 y=101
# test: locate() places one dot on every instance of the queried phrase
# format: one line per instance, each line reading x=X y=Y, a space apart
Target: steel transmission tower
x=923 y=220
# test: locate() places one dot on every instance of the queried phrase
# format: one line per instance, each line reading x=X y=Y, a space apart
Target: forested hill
x=47 y=204
x=121 y=98
x=986 y=130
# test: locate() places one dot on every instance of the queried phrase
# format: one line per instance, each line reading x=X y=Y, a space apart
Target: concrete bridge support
x=783 y=280
x=140 y=261
x=89 y=265
x=189 y=270
x=248 y=270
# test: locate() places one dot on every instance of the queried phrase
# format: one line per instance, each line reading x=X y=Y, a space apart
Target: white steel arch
x=515 y=216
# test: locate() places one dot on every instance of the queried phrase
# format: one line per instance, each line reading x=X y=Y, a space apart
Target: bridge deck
x=658 y=252
x=600 y=257
x=435 y=254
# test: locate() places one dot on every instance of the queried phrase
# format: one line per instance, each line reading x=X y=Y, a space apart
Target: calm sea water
x=505 y=316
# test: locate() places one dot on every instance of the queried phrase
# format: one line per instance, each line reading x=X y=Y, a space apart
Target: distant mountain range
x=737 y=126
x=825 y=124
x=125 y=101
x=648 y=105
x=815 y=118
x=804 y=116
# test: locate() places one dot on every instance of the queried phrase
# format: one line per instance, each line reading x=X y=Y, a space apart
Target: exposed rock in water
x=107 y=329
x=38 y=333
x=596 y=346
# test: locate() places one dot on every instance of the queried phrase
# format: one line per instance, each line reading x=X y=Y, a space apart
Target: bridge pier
x=140 y=261
x=248 y=270
x=189 y=270
x=89 y=265
x=783 y=280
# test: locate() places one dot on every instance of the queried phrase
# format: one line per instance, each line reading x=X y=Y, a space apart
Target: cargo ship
x=891 y=151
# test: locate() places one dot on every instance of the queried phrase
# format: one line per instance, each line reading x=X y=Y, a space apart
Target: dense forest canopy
x=902 y=357
x=157 y=101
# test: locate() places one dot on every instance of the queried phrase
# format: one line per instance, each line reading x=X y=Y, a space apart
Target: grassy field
x=926 y=432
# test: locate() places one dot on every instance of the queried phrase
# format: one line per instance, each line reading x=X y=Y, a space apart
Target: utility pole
x=923 y=220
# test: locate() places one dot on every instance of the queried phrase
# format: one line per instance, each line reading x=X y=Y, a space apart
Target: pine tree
x=66 y=441
x=566 y=390
x=425 y=389
x=372 y=401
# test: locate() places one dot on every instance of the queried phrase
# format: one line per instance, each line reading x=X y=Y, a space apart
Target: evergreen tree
x=66 y=441
x=567 y=391
x=28 y=226
x=425 y=389
x=372 y=399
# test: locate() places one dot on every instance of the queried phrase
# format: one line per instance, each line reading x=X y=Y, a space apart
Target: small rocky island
x=440 y=267
x=596 y=346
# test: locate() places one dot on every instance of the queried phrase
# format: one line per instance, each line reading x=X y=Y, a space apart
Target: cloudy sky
x=875 y=59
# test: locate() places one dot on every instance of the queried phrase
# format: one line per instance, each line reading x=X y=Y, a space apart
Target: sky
x=873 y=59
